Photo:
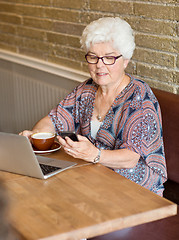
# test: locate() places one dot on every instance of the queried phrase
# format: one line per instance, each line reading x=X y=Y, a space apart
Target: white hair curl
x=110 y=29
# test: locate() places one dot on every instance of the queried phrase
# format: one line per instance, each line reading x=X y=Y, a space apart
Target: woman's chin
x=102 y=80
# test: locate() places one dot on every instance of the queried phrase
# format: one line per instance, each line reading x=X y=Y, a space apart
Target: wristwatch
x=97 y=158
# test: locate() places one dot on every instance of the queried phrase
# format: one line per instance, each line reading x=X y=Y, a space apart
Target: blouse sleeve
x=142 y=131
x=63 y=115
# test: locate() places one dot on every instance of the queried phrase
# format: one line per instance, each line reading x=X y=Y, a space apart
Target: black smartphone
x=70 y=134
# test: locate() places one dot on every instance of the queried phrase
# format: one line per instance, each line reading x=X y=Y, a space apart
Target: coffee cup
x=43 y=140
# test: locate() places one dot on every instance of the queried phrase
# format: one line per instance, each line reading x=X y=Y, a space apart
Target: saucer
x=55 y=147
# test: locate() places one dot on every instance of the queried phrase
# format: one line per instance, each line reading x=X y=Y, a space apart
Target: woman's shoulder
x=86 y=86
x=140 y=84
x=143 y=89
x=87 y=83
x=82 y=90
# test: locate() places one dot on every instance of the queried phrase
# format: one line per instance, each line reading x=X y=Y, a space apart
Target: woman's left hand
x=82 y=149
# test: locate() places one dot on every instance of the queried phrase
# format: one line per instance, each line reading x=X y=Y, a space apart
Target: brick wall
x=50 y=30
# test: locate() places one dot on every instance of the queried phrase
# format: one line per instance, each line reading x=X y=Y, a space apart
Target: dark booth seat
x=165 y=229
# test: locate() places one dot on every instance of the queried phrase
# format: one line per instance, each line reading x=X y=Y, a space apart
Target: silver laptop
x=17 y=156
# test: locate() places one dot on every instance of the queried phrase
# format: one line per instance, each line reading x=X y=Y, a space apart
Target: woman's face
x=106 y=75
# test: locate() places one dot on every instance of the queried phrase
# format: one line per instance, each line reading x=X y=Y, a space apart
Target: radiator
x=25 y=98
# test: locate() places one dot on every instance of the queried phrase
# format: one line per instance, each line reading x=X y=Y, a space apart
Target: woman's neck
x=105 y=97
x=113 y=89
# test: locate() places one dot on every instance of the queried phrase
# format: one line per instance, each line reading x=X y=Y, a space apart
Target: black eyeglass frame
x=115 y=58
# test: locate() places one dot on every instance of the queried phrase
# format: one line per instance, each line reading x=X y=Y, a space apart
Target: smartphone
x=70 y=134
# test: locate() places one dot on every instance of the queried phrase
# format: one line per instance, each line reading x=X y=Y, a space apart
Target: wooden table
x=81 y=202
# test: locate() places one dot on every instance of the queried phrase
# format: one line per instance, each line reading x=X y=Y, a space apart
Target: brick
x=85 y=67
x=154 y=57
x=62 y=15
x=34 y=2
x=37 y=2
x=157 y=73
x=37 y=23
x=177 y=13
x=7 y=28
x=176 y=77
x=178 y=29
x=30 y=33
x=65 y=40
x=32 y=11
x=10 y=18
x=68 y=28
x=112 y=6
x=71 y=53
x=32 y=53
x=6 y=7
x=160 y=85
x=157 y=42
x=177 y=89
x=8 y=47
x=153 y=26
x=160 y=1
x=87 y=17
x=71 y=4
x=176 y=45
x=157 y=11
x=11 y=39
x=35 y=45
x=131 y=68
x=177 y=61
x=65 y=62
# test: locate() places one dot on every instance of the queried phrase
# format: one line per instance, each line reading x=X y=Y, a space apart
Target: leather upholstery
x=169 y=104
x=165 y=229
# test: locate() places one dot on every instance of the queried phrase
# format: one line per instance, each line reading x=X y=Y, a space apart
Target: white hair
x=110 y=29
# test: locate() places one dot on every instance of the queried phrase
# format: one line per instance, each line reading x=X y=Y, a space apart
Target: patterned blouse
x=133 y=122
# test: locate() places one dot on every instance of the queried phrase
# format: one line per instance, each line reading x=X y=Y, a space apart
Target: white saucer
x=55 y=147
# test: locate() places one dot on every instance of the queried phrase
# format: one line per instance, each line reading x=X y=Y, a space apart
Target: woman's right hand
x=43 y=125
x=27 y=133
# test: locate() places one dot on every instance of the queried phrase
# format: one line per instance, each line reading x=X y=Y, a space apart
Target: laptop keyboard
x=46 y=169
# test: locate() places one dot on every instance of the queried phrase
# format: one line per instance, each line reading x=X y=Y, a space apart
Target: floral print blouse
x=133 y=122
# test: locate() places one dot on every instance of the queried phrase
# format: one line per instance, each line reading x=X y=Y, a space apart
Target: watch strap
x=97 y=158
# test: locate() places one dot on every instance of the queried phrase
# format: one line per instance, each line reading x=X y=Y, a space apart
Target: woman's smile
x=101 y=74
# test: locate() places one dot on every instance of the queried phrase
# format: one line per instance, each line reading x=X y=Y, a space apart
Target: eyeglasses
x=107 y=60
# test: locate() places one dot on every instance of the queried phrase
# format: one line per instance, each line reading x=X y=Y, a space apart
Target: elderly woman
x=117 y=117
